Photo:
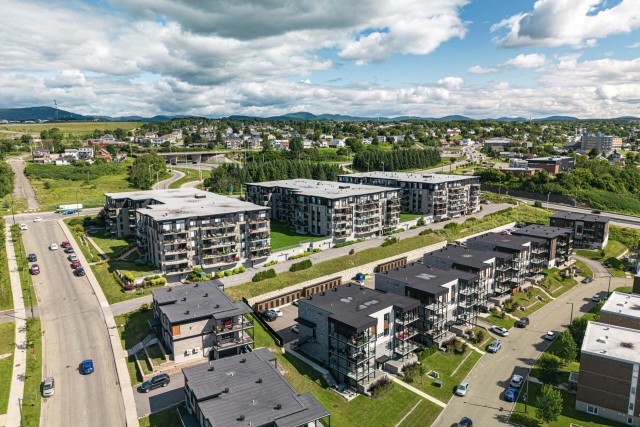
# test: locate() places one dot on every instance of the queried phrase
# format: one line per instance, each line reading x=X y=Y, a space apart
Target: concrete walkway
x=420 y=393
x=551 y=297
x=13 y=418
x=96 y=247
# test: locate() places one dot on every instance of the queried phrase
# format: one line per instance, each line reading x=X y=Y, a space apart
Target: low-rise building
x=354 y=330
x=446 y=297
x=439 y=195
x=496 y=144
x=608 y=377
x=85 y=153
x=200 y=321
x=553 y=164
x=41 y=155
x=589 y=231
x=249 y=390
x=558 y=241
x=528 y=252
x=326 y=208
x=621 y=309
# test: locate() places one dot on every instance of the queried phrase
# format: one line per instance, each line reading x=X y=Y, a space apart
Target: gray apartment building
x=184 y=228
x=200 y=321
x=249 y=390
x=528 y=252
x=446 y=297
x=438 y=195
x=354 y=330
x=608 y=377
x=558 y=242
x=589 y=231
x=324 y=208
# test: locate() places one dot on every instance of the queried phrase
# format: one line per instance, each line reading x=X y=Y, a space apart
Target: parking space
x=282 y=325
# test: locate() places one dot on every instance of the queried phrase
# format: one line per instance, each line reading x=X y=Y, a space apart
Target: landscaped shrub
x=420 y=222
x=427 y=351
x=227 y=273
x=264 y=275
x=301 y=265
x=425 y=232
x=348 y=243
x=412 y=370
x=352 y=251
x=389 y=242
x=270 y=263
x=219 y=274
x=380 y=387
x=127 y=275
x=160 y=281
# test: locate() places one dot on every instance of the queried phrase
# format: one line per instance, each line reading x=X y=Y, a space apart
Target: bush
x=380 y=387
x=76 y=172
x=161 y=281
x=537 y=204
x=352 y=251
x=427 y=351
x=420 y=222
x=128 y=276
x=389 y=242
x=219 y=274
x=227 y=273
x=270 y=263
x=425 y=232
x=348 y=243
x=264 y=275
x=301 y=265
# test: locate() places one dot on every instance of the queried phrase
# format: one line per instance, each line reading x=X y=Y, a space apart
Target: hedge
x=303 y=265
x=264 y=275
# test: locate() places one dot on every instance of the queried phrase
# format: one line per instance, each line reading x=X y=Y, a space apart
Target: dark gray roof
x=542 y=231
x=507 y=241
x=249 y=385
x=580 y=217
x=352 y=305
x=468 y=257
x=427 y=279
x=183 y=303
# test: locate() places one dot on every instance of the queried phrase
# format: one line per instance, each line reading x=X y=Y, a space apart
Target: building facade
x=200 y=321
x=553 y=165
x=325 y=208
x=528 y=252
x=41 y=155
x=589 y=231
x=558 y=242
x=441 y=196
x=601 y=142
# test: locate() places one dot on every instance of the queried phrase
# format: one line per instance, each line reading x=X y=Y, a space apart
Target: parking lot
x=282 y=325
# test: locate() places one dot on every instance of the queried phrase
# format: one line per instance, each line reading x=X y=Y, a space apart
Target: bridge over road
x=195 y=157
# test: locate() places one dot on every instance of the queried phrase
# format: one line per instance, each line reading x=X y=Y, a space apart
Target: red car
x=35 y=269
x=75 y=264
x=65 y=244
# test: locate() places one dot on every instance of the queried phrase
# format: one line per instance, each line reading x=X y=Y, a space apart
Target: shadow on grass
x=135 y=326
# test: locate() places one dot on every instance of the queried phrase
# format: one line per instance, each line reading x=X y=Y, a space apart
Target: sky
x=372 y=58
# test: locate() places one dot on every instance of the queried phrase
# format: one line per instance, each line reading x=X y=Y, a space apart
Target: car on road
x=86 y=367
x=465 y=422
x=32 y=257
x=75 y=264
x=523 y=322
x=34 y=269
x=586 y=280
x=79 y=271
x=68 y=249
x=295 y=329
x=516 y=381
x=65 y=244
x=37 y=219
x=69 y=212
x=73 y=257
x=269 y=315
x=278 y=312
x=499 y=330
x=48 y=387
x=53 y=247
x=511 y=394
x=462 y=389
x=23 y=227
x=596 y=298
x=161 y=380
x=550 y=336
x=295 y=302
x=494 y=346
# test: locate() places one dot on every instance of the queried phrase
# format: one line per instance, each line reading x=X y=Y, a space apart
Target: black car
x=161 y=380
x=32 y=258
x=523 y=322
x=465 y=422
x=68 y=250
x=587 y=280
x=269 y=315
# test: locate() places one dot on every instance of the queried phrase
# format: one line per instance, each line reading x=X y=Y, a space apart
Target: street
x=73 y=329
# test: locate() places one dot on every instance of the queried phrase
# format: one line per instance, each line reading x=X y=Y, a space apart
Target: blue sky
x=428 y=58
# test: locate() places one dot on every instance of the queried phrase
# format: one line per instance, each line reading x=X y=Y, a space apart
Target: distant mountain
x=37 y=113
x=509 y=119
x=627 y=118
x=454 y=118
x=556 y=119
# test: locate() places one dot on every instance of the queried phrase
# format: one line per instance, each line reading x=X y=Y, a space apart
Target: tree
x=577 y=328
x=295 y=145
x=548 y=404
x=594 y=153
x=144 y=170
x=549 y=368
x=567 y=349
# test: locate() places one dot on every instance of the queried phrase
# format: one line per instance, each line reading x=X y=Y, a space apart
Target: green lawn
x=6 y=297
x=133 y=327
x=624 y=289
x=19 y=204
x=507 y=322
x=555 y=284
x=134 y=374
x=166 y=418
x=531 y=303
x=112 y=247
x=71 y=127
x=283 y=236
x=157 y=358
x=585 y=270
x=190 y=175
x=405 y=217
x=610 y=254
x=31 y=398
x=7 y=346
x=110 y=286
x=89 y=252
x=285 y=279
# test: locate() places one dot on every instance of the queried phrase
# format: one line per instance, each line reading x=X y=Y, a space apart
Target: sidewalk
x=13 y=418
x=420 y=393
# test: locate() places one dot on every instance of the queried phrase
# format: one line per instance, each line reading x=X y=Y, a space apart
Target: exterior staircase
x=146 y=342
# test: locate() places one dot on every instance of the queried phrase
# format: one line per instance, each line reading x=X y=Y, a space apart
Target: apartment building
x=354 y=330
x=249 y=390
x=441 y=196
x=608 y=377
x=558 y=241
x=446 y=297
x=200 y=321
x=496 y=144
x=324 y=208
x=553 y=164
x=621 y=309
x=183 y=228
x=41 y=155
x=601 y=142
x=528 y=252
x=589 y=231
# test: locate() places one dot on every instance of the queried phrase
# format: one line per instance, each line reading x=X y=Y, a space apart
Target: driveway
x=160 y=398
x=282 y=325
x=22 y=188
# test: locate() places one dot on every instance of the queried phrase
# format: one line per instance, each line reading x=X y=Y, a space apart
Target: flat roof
x=324 y=189
x=506 y=240
x=352 y=305
x=542 y=231
x=580 y=217
x=183 y=303
x=427 y=279
x=549 y=159
x=623 y=304
x=185 y=203
x=612 y=342
x=247 y=389
x=468 y=257
x=412 y=177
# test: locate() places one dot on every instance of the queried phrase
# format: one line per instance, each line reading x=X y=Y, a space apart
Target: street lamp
x=609 y=288
x=571 y=317
x=548 y=195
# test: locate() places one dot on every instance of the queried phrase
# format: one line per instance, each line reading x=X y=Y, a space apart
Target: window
x=386 y=324
x=592 y=410
x=175 y=330
x=629 y=420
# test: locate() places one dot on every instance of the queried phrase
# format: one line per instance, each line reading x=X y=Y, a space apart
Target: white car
x=278 y=312
x=294 y=329
x=37 y=219
x=499 y=330
x=516 y=381
x=23 y=227
x=596 y=298
x=73 y=257
x=53 y=247
x=462 y=389
x=550 y=336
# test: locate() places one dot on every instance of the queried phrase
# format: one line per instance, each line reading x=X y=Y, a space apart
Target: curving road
x=167 y=182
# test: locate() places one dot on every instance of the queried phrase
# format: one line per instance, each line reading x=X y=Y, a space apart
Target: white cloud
x=477 y=69
x=634 y=45
x=451 y=83
x=533 y=60
x=568 y=22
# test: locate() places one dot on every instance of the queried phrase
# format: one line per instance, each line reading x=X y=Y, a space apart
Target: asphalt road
x=488 y=380
x=165 y=183
x=73 y=330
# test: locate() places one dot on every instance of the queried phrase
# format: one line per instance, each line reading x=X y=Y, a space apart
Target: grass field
x=6 y=297
x=19 y=204
x=71 y=127
x=190 y=175
x=555 y=284
x=584 y=268
x=404 y=217
x=507 y=322
x=7 y=346
x=166 y=418
x=110 y=286
x=112 y=247
x=282 y=236
x=610 y=254
x=31 y=399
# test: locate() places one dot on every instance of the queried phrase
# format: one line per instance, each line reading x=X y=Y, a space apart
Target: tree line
x=145 y=169
x=6 y=179
x=395 y=160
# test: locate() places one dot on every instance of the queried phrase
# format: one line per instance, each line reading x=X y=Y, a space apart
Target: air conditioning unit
x=195 y=350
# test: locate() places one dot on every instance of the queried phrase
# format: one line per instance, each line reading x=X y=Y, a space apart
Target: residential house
x=41 y=155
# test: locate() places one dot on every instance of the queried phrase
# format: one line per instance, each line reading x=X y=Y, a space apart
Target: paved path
x=165 y=184
x=11 y=315
x=420 y=393
x=22 y=188
x=596 y=267
x=191 y=184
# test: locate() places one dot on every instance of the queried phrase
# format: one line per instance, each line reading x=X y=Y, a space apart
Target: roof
x=580 y=217
x=412 y=177
x=185 y=203
x=246 y=390
x=427 y=279
x=508 y=241
x=549 y=159
x=468 y=257
x=185 y=303
x=623 y=304
x=612 y=342
x=353 y=305
x=324 y=189
x=542 y=231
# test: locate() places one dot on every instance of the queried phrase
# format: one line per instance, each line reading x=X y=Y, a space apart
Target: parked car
x=494 y=346
x=86 y=367
x=23 y=227
x=269 y=315
x=73 y=257
x=295 y=302
x=523 y=322
x=65 y=244
x=48 y=387
x=295 y=329
x=587 y=280
x=68 y=249
x=75 y=264
x=161 y=380
x=53 y=247
x=462 y=389
x=79 y=271
x=32 y=258
x=516 y=381
x=550 y=336
x=278 y=312
x=37 y=219
x=465 y=422
x=511 y=394
x=35 y=269
x=596 y=298
x=499 y=330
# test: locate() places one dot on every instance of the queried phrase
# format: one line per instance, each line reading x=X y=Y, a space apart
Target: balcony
x=231 y=326
x=258 y=237
x=355 y=340
x=407 y=319
x=242 y=340
x=406 y=333
x=405 y=347
x=184 y=260
x=169 y=250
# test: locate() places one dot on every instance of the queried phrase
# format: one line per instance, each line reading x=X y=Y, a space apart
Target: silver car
x=73 y=257
x=48 y=387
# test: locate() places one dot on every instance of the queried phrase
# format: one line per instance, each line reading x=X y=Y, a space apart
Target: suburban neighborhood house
x=354 y=331
x=249 y=390
x=589 y=231
x=200 y=321
x=326 y=208
x=437 y=195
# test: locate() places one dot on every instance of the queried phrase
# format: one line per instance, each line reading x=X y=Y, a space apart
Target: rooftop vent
x=184 y=298
x=322 y=293
x=186 y=312
x=259 y=381
x=602 y=340
x=240 y=418
x=243 y=360
x=626 y=345
x=206 y=295
x=217 y=305
x=278 y=406
x=210 y=367
x=196 y=285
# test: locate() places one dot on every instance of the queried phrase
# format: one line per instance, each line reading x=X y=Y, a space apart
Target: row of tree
x=145 y=170
x=395 y=160
x=6 y=179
